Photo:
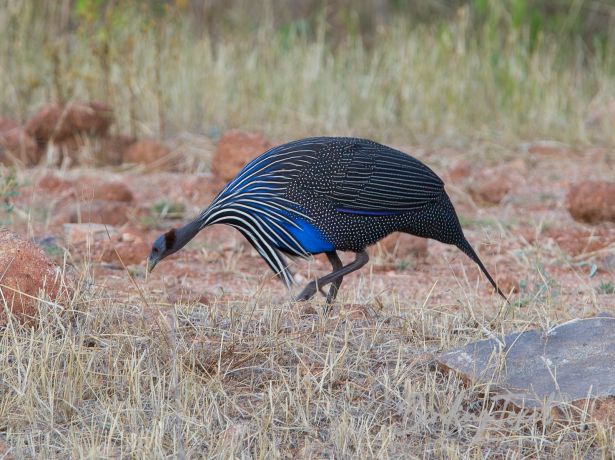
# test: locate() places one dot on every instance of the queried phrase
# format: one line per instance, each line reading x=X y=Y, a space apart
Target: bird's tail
x=469 y=251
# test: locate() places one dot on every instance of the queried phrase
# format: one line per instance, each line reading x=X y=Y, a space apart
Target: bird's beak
x=151 y=263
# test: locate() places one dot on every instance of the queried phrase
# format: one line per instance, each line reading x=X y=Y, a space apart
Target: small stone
x=592 y=202
x=235 y=150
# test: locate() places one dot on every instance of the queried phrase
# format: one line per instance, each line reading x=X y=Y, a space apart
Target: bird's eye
x=155 y=250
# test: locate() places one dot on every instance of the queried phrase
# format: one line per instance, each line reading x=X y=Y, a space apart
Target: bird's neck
x=184 y=234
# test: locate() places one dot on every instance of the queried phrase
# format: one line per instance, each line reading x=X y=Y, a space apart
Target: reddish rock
x=592 y=201
x=98 y=212
x=128 y=249
x=576 y=241
x=235 y=150
x=114 y=149
x=490 y=187
x=58 y=123
x=402 y=245
x=93 y=118
x=149 y=152
x=26 y=274
x=16 y=146
x=104 y=190
x=76 y=234
x=459 y=171
x=52 y=183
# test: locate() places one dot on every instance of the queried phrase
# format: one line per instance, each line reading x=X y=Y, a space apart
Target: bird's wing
x=377 y=180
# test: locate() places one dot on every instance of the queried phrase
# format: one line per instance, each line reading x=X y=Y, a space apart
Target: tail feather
x=469 y=251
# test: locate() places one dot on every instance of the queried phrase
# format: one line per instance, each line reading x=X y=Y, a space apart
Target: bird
x=324 y=195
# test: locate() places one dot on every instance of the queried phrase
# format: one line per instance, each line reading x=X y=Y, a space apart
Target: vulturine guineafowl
x=327 y=194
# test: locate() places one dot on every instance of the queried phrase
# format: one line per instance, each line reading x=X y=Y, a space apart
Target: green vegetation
x=606 y=287
x=448 y=72
x=166 y=209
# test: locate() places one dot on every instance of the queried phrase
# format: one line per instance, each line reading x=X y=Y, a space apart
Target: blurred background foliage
x=410 y=70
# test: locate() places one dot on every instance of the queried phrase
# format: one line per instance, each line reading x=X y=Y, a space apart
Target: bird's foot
x=308 y=291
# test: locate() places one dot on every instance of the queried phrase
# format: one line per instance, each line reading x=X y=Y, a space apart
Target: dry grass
x=119 y=375
x=115 y=378
x=413 y=83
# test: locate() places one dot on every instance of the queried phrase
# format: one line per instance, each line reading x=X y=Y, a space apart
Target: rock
x=576 y=241
x=459 y=171
x=235 y=150
x=16 y=146
x=26 y=273
x=129 y=247
x=104 y=190
x=99 y=212
x=75 y=234
x=490 y=187
x=563 y=367
x=93 y=118
x=59 y=123
x=52 y=183
x=592 y=201
x=149 y=152
x=114 y=149
x=402 y=245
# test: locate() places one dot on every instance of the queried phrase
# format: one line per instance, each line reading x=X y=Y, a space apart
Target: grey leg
x=336 y=263
x=311 y=288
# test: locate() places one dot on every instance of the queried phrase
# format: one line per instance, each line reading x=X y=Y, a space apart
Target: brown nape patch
x=170 y=238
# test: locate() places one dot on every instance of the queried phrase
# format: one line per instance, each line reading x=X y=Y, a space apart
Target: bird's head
x=164 y=245
x=172 y=241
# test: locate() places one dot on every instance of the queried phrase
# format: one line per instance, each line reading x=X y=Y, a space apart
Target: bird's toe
x=308 y=292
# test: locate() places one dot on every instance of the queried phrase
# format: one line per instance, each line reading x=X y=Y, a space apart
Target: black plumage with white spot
x=327 y=194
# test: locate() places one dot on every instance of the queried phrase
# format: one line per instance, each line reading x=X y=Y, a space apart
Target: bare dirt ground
x=528 y=240
x=283 y=378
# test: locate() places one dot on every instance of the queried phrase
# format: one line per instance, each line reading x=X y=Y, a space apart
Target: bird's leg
x=336 y=264
x=312 y=286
